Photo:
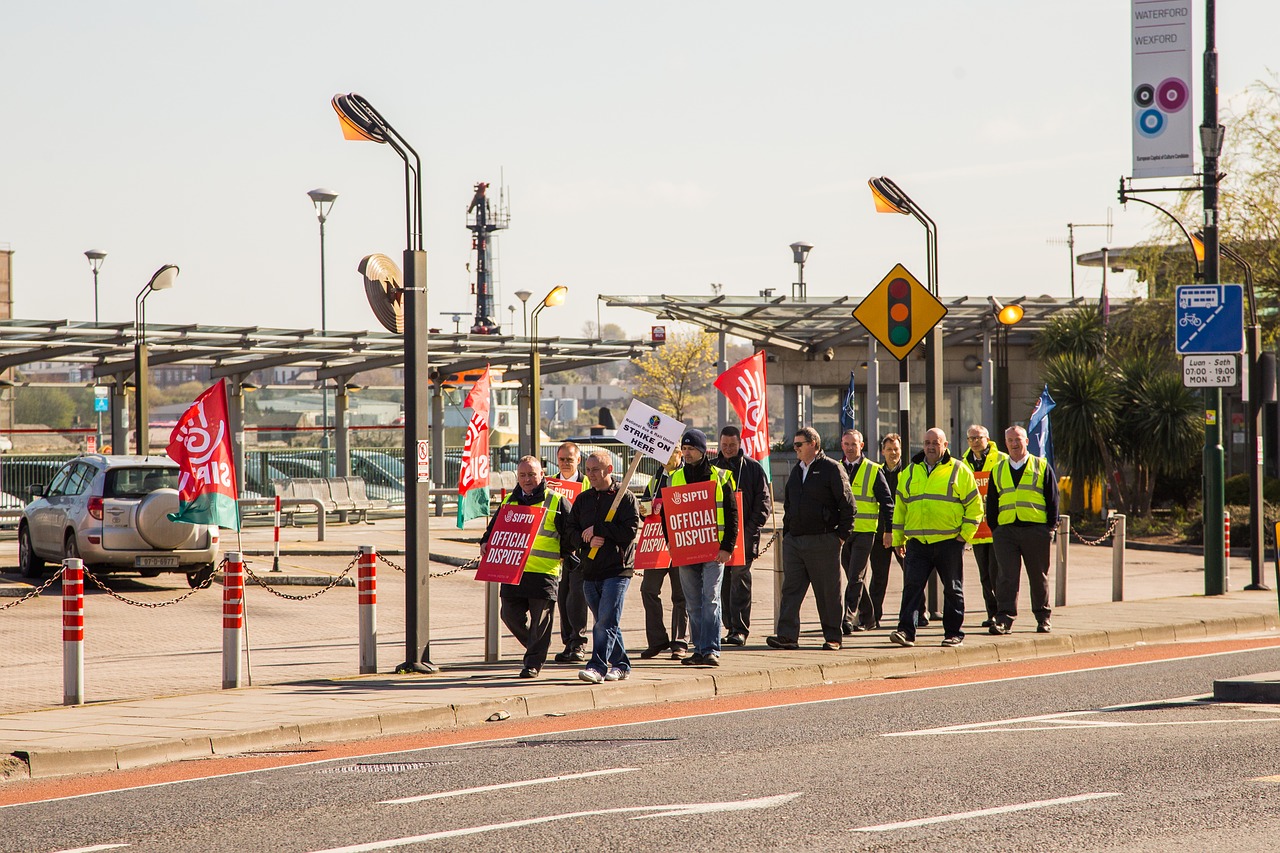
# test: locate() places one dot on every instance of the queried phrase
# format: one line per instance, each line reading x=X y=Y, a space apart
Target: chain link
x=152 y=604
x=260 y=582
x=1111 y=528
x=768 y=544
x=469 y=564
x=35 y=592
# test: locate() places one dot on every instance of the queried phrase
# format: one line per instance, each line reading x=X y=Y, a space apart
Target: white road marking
x=94 y=848
x=1039 y=804
x=464 y=791
x=657 y=721
x=1071 y=720
x=672 y=810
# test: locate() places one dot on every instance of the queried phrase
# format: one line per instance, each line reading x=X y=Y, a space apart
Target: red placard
x=739 y=557
x=691 y=522
x=566 y=489
x=510 y=542
x=651 y=552
x=983 y=479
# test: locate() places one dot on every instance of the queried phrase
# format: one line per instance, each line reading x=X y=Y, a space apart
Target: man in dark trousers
x=655 y=626
x=753 y=485
x=571 y=602
x=528 y=607
x=607 y=574
x=817 y=519
x=872 y=517
x=1022 y=509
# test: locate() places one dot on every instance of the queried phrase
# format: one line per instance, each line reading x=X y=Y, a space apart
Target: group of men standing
x=840 y=518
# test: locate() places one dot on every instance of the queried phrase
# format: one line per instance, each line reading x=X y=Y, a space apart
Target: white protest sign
x=650 y=432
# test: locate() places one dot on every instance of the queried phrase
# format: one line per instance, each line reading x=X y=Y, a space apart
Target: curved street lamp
x=554 y=297
x=96 y=257
x=323 y=200
x=161 y=279
x=361 y=122
x=1005 y=317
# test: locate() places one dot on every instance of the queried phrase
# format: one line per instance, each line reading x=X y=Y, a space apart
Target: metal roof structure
x=814 y=324
x=236 y=351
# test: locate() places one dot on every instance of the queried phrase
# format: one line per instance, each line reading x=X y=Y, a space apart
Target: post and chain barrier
x=73 y=631
x=467 y=566
x=367 y=594
x=232 y=618
x=56 y=576
x=336 y=580
x=1116 y=531
x=204 y=584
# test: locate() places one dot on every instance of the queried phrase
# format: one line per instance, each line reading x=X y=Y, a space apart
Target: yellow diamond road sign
x=899 y=312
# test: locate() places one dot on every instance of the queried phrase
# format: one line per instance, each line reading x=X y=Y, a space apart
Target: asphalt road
x=1106 y=759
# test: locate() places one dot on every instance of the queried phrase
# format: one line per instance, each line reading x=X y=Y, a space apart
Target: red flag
x=475 y=450
x=201 y=445
x=744 y=385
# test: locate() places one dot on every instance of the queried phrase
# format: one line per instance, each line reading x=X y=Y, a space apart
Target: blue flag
x=847 y=412
x=1039 y=441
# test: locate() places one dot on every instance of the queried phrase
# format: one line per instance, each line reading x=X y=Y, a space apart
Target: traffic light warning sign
x=899 y=312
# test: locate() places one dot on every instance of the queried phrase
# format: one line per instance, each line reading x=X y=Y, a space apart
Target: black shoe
x=576 y=654
x=529 y=672
x=858 y=628
x=998 y=628
x=922 y=621
x=652 y=651
x=694 y=659
x=781 y=643
x=734 y=639
x=986 y=623
x=1044 y=627
x=712 y=659
x=847 y=628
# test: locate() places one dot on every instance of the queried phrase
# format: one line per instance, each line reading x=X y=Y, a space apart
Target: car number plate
x=155 y=562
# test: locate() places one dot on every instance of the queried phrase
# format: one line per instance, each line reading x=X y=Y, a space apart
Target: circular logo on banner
x=1172 y=94
x=1151 y=123
x=654 y=420
x=1144 y=96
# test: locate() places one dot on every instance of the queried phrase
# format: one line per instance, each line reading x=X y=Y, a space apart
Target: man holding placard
x=700 y=514
x=757 y=502
x=570 y=602
x=529 y=600
x=603 y=525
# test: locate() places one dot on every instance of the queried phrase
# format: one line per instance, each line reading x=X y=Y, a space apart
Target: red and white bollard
x=232 y=619
x=72 y=631
x=367 y=592
x=275 y=562
x=1226 y=532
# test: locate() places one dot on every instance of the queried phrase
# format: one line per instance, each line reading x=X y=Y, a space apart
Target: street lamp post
x=323 y=200
x=360 y=121
x=523 y=296
x=162 y=279
x=800 y=253
x=1006 y=316
x=553 y=298
x=96 y=257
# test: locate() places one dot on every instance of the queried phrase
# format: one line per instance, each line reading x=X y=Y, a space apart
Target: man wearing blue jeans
x=606 y=547
x=701 y=581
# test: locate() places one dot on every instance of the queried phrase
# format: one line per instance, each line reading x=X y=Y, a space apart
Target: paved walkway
x=139 y=725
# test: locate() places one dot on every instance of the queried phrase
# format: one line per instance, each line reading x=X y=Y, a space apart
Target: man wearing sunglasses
x=817 y=519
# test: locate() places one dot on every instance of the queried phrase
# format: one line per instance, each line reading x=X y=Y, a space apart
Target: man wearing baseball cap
x=701 y=582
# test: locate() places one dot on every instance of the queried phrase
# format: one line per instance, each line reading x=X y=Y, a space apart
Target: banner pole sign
x=510 y=542
x=1160 y=94
x=649 y=433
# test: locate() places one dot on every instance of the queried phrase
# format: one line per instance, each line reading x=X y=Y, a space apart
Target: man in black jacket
x=753 y=485
x=817 y=519
x=606 y=574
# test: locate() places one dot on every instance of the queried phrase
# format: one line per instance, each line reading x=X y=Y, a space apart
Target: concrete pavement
x=147 y=727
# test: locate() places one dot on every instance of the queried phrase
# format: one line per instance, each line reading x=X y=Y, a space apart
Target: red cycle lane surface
x=39 y=790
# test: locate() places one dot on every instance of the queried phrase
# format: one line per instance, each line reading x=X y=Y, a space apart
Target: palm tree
x=1084 y=419
x=1078 y=332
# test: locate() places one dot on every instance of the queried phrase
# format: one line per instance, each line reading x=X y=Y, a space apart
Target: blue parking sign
x=1209 y=319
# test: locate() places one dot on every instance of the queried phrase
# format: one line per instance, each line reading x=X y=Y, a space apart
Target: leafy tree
x=676 y=377
x=1078 y=333
x=53 y=407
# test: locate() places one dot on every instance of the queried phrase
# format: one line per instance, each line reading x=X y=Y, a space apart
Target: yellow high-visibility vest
x=938 y=505
x=544 y=556
x=865 y=505
x=1024 y=501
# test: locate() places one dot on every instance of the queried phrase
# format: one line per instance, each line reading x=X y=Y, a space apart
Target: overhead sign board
x=1160 y=88
x=899 y=312
x=1209 y=371
x=1209 y=319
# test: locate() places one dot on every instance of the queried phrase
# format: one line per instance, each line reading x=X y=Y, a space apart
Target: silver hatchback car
x=111 y=512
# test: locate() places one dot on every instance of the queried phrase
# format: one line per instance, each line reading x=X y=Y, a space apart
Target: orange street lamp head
x=1197 y=246
x=1007 y=315
x=556 y=296
x=886 y=196
x=360 y=121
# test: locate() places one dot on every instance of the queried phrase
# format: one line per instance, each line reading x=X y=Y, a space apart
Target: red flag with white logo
x=201 y=445
x=475 y=449
x=744 y=385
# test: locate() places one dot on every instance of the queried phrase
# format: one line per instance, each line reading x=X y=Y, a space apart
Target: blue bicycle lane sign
x=1209 y=319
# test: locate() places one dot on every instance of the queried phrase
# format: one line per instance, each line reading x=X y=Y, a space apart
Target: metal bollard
x=367 y=595
x=492 y=628
x=72 y=631
x=232 y=619
x=1060 y=568
x=1117 y=558
x=275 y=555
x=1226 y=532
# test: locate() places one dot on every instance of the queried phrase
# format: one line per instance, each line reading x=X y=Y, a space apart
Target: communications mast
x=482 y=221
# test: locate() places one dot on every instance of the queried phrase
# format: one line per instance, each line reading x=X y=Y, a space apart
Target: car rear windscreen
x=138 y=482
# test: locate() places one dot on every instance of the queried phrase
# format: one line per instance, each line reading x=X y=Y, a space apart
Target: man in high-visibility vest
x=936 y=511
x=872 y=511
x=528 y=607
x=982 y=458
x=702 y=581
x=571 y=601
x=1022 y=509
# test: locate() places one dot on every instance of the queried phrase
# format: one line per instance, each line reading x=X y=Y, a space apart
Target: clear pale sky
x=648 y=148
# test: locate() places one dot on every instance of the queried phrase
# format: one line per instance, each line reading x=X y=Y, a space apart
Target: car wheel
x=200 y=576
x=29 y=564
x=70 y=549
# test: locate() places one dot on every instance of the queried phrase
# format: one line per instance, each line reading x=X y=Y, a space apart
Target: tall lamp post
x=554 y=297
x=523 y=296
x=323 y=200
x=799 y=254
x=361 y=122
x=162 y=279
x=96 y=257
x=1006 y=316
x=890 y=198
